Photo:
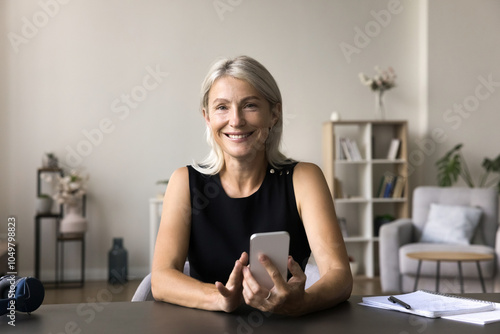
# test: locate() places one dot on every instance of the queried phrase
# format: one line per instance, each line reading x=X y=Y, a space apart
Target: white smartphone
x=276 y=246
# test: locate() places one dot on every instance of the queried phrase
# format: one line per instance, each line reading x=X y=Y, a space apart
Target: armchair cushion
x=450 y=224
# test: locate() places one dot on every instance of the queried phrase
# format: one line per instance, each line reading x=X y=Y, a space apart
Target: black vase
x=118 y=262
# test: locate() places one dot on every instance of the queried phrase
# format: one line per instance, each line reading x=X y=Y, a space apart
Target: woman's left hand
x=284 y=298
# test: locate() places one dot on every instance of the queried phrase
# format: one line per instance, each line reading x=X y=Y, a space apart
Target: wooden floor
x=366 y=286
x=92 y=292
x=102 y=292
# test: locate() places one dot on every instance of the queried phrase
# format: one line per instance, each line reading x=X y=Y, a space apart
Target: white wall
x=464 y=48
x=66 y=77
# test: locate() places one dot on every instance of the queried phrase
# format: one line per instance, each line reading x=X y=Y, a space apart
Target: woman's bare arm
x=168 y=282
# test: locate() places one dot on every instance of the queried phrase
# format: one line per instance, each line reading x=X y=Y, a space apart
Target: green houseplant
x=453 y=166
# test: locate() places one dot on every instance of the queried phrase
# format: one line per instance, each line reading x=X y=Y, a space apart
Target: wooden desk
x=458 y=257
x=158 y=317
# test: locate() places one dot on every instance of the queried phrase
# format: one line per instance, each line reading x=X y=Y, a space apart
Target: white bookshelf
x=360 y=181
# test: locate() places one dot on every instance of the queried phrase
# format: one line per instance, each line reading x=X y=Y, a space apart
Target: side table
x=458 y=257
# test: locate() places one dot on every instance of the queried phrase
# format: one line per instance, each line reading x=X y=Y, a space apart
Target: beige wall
x=464 y=80
x=4 y=118
x=88 y=65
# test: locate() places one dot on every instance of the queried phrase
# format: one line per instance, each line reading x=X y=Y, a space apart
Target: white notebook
x=480 y=318
x=430 y=304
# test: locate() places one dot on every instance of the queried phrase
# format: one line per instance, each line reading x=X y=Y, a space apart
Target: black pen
x=400 y=302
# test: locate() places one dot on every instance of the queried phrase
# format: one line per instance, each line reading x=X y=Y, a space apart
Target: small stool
x=61 y=239
x=459 y=257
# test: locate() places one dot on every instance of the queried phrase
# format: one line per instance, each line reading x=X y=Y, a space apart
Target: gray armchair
x=398 y=238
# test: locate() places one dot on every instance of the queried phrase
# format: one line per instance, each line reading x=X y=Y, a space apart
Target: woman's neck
x=242 y=179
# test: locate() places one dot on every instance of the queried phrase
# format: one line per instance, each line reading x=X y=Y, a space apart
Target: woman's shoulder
x=179 y=175
x=308 y=177
x=307 y=169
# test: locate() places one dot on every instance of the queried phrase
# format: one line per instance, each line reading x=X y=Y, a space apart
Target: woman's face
x=239 y=117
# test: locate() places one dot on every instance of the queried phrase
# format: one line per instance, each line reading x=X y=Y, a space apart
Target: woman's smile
x=237 y=136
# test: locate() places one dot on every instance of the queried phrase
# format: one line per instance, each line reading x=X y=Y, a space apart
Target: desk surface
x=157 y=317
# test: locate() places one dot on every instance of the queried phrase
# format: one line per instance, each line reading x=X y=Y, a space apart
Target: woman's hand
x=284 y=298
x=231 y=293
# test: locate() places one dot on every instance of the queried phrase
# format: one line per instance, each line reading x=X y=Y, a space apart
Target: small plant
x=44 y=196
x=165 y=182
x=52 y=161
x=453 y=166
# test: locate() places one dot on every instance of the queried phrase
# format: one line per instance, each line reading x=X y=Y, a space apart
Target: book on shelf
x=345 y=149
x=399 y=187
x=391 y=186
x=348 y=150
x=353 y=146
x=392 y=154
x=429 y=304
x=337 y=189
x=343 y=227
x=339 y=150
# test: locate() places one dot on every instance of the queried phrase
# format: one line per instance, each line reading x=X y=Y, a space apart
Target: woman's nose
x=236 y=118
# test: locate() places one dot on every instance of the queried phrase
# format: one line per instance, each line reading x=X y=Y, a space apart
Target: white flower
x=382 y=81
x=365 y=80
x=70 y=188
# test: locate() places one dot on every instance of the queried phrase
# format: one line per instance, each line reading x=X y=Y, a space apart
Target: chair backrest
x=484 y=198
x=143 y=292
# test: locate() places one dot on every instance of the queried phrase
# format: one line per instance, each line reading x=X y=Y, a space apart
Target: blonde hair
x=253 y=72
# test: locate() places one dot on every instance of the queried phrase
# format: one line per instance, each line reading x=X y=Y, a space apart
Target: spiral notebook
x=430 y=304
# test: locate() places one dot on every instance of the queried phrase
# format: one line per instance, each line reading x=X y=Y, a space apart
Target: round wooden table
x=458 y=257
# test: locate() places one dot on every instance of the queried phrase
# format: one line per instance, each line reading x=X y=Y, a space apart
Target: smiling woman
x=262 y=88
x=248 y=186
x=239 y=119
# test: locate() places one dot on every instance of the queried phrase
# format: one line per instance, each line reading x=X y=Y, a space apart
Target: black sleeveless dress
x=221 y=226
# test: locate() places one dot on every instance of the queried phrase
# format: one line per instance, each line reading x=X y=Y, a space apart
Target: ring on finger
x=269 y=295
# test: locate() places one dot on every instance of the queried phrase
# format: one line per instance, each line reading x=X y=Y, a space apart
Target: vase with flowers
x=382 y=81
x=70 y=191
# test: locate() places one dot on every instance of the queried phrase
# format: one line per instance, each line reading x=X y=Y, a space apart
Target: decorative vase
x=118 y=262
x=380 y=112
x=73 y=221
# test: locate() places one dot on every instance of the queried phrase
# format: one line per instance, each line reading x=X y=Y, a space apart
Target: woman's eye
x=251 y=106
x=221 y=108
